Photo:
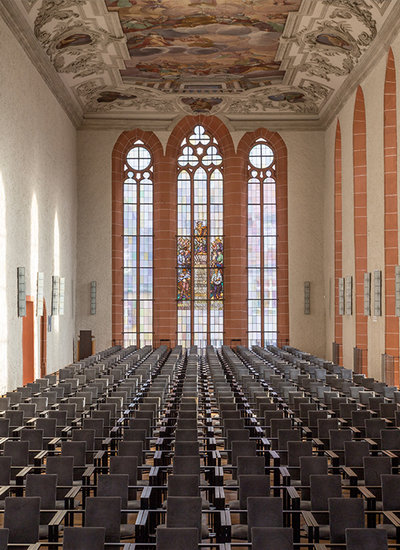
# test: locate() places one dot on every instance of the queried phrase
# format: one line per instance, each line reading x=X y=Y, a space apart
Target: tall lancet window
x=261 y=241
x=200 y=256
x=138 y=246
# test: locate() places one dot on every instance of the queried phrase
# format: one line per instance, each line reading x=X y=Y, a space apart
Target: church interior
x=199 y=275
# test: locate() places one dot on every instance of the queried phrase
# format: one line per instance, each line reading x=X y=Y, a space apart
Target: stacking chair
x=106 y=512
x=186 y=512
x=365 y=539
x=344 y=513
x=178 y=538
x=22 y=518
x=83 y=538
x=261 y=512
x=271 y=538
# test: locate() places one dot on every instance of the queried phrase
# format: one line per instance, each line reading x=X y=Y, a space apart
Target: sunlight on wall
x=3 y=292
x=34 y=268
x=56 y=265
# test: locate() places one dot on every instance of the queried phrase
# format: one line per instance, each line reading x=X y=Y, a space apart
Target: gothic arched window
x=261 y=241
x=200 y=259
x=138 y=246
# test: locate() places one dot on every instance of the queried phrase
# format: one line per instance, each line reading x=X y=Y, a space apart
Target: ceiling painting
x=245 y=59
x=177 y=39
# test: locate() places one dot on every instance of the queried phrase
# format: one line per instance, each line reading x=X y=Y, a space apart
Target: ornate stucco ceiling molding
x=387 y=34
x=19 y=26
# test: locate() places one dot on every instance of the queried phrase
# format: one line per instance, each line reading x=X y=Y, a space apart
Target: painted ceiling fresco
x=245 y=59
x=206 y=39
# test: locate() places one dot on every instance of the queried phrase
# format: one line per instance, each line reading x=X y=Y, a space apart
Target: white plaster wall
x=37 y=162
x=306 y=262
x=94 y=232
x=305 y=182
x=373 y=89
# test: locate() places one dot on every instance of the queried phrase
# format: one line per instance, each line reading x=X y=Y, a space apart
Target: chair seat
x=127 y=531
x=234 y=505
x=231 y=482
x=295 y=482
x=239 y=531
x=133 y=504
x=44 y=531
x=144 y=482
x=324 y=532
x=389 y=528
x=305 y=505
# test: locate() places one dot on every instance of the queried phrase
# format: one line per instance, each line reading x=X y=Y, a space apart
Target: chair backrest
x=22 y=517
x=264 y=512
x=114 y=485
x=84 y=435
x=354 y=451
x=390 y=491
x=5 y=403
x=374 y=467
x=60 y=416
x=314 y=416
x=77 y=449
x=63 y=467
x=125 y=465
x=183 y=485
x=326 y=424
x=337 y=439
x=135 y=435
x=390 y=440
x=324 y=487
x=373 y=427
x=184 y=512
x=104 y=512
x=271 y=538
x=344 y=513
x=237 y=435
x=286 y=436
x=366 y=539
x=243 y=448
x=280 y=424
x=4 y=427
x=252 y=486
x=186 y=448
x=47 y=425
x=250 y=465
x=131 y=448
x=346 y=410
x=5 y=470
x=82 y=538
x=4 y=534
x=16 y=418
x=310 y=465
x=18 y=451
x=43 y=486
x=34 y=438
x=186 y=435
x=296 y=449
x=186 y=465
x=178 y=538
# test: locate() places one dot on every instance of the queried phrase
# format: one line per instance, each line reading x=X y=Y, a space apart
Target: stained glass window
x=261 y=246
x=200 y=248
x=138 y=246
